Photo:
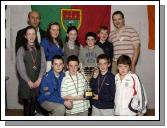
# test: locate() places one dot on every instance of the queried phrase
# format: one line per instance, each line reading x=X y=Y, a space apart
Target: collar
x=125 y=77
x=61 y=74
x=37 y=29
x=120 y=30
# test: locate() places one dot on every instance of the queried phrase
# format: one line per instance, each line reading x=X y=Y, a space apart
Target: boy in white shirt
x=73 y=88
x=127 y=87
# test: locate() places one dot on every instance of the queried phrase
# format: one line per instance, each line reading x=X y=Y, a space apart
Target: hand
x=80 y=70
x=68 y=104
x=95 y=73
x=37 y=83
x=95 y=97
x=30 y=84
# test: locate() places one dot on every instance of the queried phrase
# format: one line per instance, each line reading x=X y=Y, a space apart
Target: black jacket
x=107 y=48
x=107 y=92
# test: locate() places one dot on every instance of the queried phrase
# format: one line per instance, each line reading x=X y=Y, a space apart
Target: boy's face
x=73 y=67
x=103 y=35
x=90 y=41
x=123 y=69
x=103 y=65
x=57 y=65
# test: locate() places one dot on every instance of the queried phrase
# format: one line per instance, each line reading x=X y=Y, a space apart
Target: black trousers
x=30 y=105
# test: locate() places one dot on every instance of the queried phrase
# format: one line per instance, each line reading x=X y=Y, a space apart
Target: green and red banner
x=85 y=17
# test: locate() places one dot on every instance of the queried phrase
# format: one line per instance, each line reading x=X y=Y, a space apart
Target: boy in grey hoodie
x=88 y=54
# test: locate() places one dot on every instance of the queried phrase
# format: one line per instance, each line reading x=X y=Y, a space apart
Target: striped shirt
x=69 y=88
x=123 y=41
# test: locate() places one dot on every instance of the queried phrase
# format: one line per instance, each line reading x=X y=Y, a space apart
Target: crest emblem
x=71 y=17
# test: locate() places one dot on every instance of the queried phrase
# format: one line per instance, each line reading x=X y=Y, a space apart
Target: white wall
x=16 y=20
x=133 y=17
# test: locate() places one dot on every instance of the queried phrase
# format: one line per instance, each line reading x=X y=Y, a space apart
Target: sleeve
x=43 y=63
x=144 y=99
x=44 y=88
x=141 y=95
x=112 y=52
x=99 y=50
x=47 y=93
x=81 y=56
x=138 y=90
x=19 y=39
x=20 y=65
x=93 y=83
x=64 y=89
x=44 y=45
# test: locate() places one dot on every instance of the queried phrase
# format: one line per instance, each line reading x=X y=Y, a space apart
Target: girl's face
x=123 y=69
x=72 y=35
x=54 y=31
x=30 y=36
x=73 y=67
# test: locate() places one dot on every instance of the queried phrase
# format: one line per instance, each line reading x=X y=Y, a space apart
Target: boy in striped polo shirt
x=73 y=87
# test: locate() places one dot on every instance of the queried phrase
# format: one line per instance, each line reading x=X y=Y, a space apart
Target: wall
x=17 y=16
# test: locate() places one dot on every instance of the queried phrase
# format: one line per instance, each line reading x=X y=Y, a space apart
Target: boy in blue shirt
x=50 y=97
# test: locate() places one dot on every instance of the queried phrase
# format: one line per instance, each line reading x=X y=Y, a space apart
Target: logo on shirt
x=91 y=57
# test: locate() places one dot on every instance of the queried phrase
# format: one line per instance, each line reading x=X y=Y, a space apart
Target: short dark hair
x=118 y=12
x=72 y=58
x=103 y=28
x=93 y=34
x=124 y=59
x=70 y=28
x=58 y=57
x=103 y=56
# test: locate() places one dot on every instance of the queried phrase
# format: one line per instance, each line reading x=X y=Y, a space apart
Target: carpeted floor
x=19 y=112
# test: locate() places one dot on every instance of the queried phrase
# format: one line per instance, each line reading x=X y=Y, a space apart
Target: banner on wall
x=86 y=18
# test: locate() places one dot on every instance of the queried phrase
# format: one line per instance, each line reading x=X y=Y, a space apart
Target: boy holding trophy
x=73 y=88
x=103 y=86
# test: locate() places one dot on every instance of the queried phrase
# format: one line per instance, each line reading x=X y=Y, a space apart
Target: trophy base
x=88 y=95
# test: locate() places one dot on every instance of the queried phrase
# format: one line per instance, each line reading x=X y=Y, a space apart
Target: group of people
x=52 y=80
